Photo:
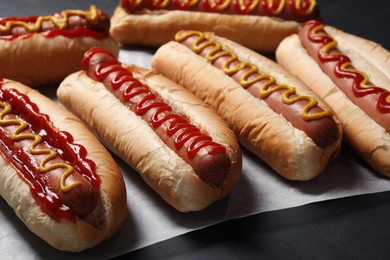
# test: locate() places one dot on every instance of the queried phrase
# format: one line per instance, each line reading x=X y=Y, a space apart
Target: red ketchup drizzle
x=76 y=33
x=382 y=105
x=31 y=19
x=59 y=141
x=147 y=101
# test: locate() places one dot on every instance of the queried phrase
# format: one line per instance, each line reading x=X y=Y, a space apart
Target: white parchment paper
x=150 y=220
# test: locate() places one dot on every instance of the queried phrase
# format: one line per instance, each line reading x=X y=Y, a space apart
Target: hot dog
x=276 y=117
x=179 y=145
x=258 y=24
x=60 y=181
x=351 y=75
x=55 y=42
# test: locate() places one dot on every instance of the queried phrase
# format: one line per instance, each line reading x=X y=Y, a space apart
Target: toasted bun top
x=154 y=28
x=38 y=60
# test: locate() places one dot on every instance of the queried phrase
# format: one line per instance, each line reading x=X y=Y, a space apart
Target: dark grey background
x=350 y=228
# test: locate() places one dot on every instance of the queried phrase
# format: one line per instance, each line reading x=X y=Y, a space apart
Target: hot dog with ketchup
x=60 y=181
x=258 y=24
x=273 y=114
x=178 y=144
x=351 y=75
x=43 y=50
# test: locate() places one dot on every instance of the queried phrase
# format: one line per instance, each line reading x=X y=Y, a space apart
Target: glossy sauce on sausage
x=61 y=179
x=208 y=158
x=297 y=10
x=69 y=23
x=301 y=111
x=355 y=84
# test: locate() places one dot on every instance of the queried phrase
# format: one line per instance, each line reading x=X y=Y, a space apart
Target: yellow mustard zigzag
x=252 y=75
x=61 y=21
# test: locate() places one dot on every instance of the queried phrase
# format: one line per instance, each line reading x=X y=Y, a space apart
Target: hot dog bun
x=57 y=57
x=156 y=27
x=63 y=234
x=35 y=59
x=135 y=142
x=289 y=151
x=361 y=132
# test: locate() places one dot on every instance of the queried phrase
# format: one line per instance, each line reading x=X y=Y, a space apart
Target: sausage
x=296 y=10
x=32 y=150
x=208 y=159
x=68 y=184
x=353 y=82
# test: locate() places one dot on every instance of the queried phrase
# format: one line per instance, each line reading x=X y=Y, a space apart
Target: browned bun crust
x=361 y=132
x=289 y=151
x=154 y=28
x=38 y=60
x=64 y=235
x=135 y=142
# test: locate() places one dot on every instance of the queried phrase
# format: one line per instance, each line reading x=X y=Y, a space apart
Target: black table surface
x=356 y=227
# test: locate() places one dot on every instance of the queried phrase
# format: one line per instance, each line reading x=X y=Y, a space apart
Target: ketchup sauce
x=161 y=113
x=361 y=85
x=60 y=143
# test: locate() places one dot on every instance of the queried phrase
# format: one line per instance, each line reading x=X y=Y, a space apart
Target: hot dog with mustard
x=273 y=114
